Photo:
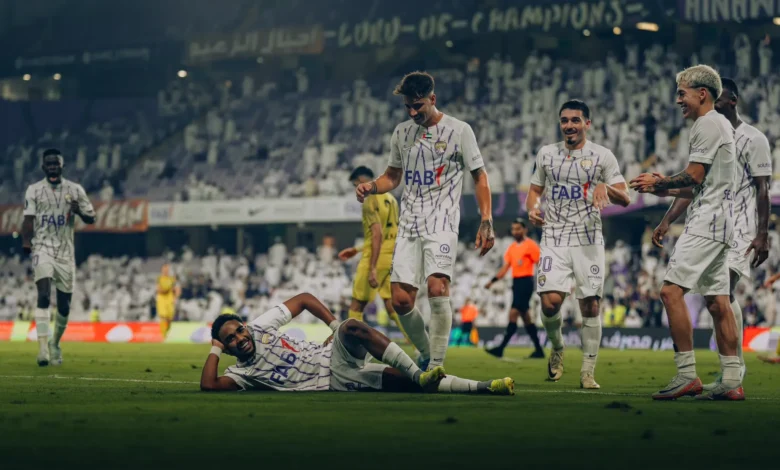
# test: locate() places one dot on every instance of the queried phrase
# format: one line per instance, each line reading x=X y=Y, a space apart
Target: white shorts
x=60 y=272
x=699 y=264
x=559 y=266
x=350 y=374
x=737 y=260
x=416 y=259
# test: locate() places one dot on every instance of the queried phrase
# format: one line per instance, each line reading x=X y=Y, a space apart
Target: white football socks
x=452 y=384
x=415 y=328
x=395 y=357
x=738 y=317
x=552 y=325
x=60 y=323
x=686 y=364
x=591 y=339
x=42 y=328
x=730 y=366
x=441 y=324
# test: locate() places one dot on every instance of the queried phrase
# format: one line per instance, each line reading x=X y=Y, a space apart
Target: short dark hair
x=52 y=151
x=519 y=221
x=577 y=105
x=361 y=171
x=220 y=322
x=415 y=85
x=730 y=85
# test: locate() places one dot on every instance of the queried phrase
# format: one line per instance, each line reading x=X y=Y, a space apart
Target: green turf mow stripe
x=178 y=382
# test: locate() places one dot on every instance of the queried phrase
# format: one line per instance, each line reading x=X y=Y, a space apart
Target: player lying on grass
x=271 y=360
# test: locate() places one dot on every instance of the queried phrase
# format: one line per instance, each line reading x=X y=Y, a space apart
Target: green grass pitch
x=138 y=406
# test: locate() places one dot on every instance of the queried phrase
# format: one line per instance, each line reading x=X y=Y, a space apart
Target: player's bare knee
x=589 y=307
x=669 y=293
x=44 y=298
x=438 y=286
x=355 y=328
x=716 y=305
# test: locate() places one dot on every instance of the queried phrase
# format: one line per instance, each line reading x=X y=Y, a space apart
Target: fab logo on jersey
x=564 y=192
x=425 y=177
x=51 y=219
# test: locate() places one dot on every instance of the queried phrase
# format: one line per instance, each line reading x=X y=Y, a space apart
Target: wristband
x=373 y=187
x=215 y=350
x=334 y=325
x=495 y=279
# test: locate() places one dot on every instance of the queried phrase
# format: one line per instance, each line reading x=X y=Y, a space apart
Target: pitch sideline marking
x=180 y=382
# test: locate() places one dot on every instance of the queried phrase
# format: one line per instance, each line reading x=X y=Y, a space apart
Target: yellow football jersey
x=380 y=209
x=165 y=285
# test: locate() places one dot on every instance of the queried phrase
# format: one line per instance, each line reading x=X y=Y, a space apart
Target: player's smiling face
x=237 y=339
x=420 y=110
x=689 y=100
x=52 y=167
x=573 y=126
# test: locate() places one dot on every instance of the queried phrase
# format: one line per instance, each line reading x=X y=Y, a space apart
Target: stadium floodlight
x=182 y=73
x=645 y=26
x=776 y=20
x=617 y=31
x=26 y=77
x=57 y=76
x=448 y=43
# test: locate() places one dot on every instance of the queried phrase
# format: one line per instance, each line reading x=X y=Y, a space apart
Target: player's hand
x=372 y=278
x=760 y=245
x=347 y=253
x=645 y=183
x=363 y=190
x=659 y=233
x=75 y=208
x=600 y=196
x=328 y=340
x=485 y=237
x=216 y=343
x=535 y=216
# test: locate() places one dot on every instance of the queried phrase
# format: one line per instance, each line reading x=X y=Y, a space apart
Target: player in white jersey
x=700 y=257
x=50 y=209
x=578 y=178
x=431 y=153
x=751 y=205
x=271 y=360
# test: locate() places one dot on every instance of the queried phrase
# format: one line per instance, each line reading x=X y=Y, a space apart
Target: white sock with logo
x=591 y=339
x=42 y=328
x=395 y=357
x=441 y=324
x=415 y=328
x=686 y=364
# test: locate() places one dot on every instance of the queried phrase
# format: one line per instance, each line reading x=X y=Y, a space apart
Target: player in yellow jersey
x=380 y=226
x=167 y=293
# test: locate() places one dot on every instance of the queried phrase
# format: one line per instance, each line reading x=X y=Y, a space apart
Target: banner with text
x=395 y=24
x=112 y=217
x=721 y=11
x=255 y=211
x=251 y=44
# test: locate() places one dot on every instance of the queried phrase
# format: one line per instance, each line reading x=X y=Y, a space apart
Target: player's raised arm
x=209 y=377
x=306 y=301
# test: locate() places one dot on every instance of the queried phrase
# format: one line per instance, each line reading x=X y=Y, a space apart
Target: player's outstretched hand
x=363 y=190
x=535 y=216
x=760 y=245
x=659 y=233
x=600 y=196
x=645 y=183
x=486 y=238
x=347 y=253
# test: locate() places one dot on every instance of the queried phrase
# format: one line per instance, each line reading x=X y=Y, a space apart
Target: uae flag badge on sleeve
x=427 y=136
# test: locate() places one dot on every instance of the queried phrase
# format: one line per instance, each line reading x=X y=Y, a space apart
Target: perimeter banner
x=113 y=217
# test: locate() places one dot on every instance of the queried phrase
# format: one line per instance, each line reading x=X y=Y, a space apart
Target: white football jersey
x=433 y=160
x=710 y=214
x=569 y=178
x=753 y=159
x=281 y=362
x=54 y=222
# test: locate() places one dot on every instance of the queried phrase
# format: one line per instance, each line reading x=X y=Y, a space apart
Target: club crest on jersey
x=542 y=280
x=586 y=164
x=266 y=339
x=440 y=147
